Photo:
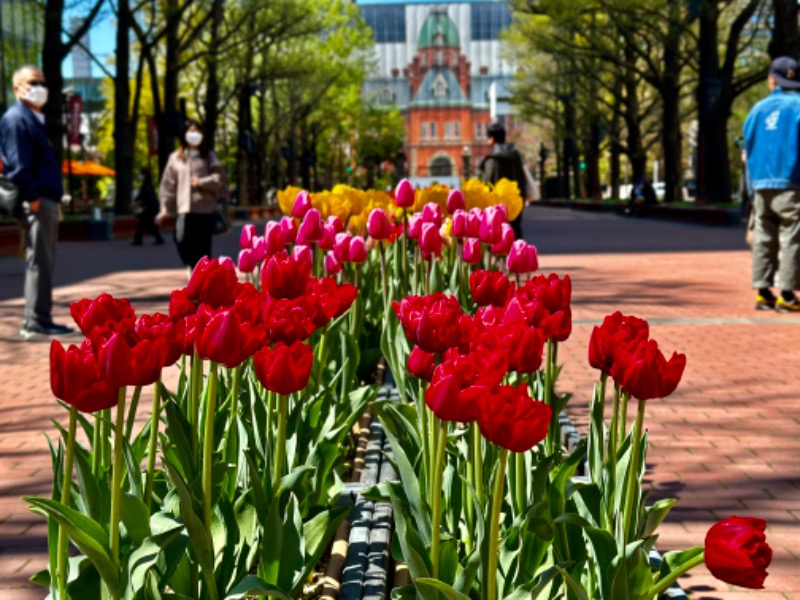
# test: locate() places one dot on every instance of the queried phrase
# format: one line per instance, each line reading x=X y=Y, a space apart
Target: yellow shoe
x=784 y=306
x=763 y=303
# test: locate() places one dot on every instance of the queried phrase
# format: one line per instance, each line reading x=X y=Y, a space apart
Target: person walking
x=505 y=161
x=30 y=163
x=190 y=185
x=148 y=207
x=772 y=144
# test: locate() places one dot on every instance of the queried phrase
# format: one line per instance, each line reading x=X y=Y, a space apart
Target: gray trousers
x=41 y=233
x=776 y=243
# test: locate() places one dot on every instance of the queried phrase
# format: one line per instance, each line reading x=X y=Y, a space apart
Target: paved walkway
x=727 y=442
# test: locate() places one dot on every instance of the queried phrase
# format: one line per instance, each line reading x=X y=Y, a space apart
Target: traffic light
x=583 y=165
x=349 y=169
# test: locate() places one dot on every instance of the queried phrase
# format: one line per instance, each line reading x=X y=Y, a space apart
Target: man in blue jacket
x=30 y=162
x=772 y=144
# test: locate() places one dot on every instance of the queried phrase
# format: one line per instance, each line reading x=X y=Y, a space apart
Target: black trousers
x=146 y=224
x=193 y=232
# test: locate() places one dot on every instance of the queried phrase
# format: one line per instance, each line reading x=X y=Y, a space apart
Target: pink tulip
x=503 y=247
x=311 y=230
x=303 y=254
x=274 y=238
x=341 y=246
x=260 y=253
x=358 y=250
x=247 y=263
x=378 y=225
x=414 y=226
x=522 y=258
x=430 y=240
x=474 y=218
x=404 y=194
x=246 y=237
x=227 y=262
x=460 y=223
x=335 y=223
x=503 y=209
x=455 y=201
x=491 y=226
x=471 y=254
x=302 y=205
x=431 y=213
x=326 y=243
x=332 y=264
x=289 y=229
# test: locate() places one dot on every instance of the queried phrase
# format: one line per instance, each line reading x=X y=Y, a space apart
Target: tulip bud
x=358 y=250
x=335 y=223
x=404 y=194
x=326 y=243
x=311 y=230
x=522 y=258
x=471 y=254
x=455 y=201
x=503 y=247
x=431 y=213
x=303 y=254
x=430 y=240
x=491 y=226
x=289 y=228
x=302 y=205
x=378 y=224
x=247 y=261
x=414 y=226
x=259 y=249
x=246 y=237
x=274 y=238
x=332 y=264
x=341 y=246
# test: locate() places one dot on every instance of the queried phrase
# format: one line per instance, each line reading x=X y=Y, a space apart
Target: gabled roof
x=436 y=78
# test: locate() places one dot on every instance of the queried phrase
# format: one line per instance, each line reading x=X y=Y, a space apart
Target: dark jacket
x=505 y=161
x=29 y=160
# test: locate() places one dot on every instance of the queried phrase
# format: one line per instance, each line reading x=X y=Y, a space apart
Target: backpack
x=509 y=165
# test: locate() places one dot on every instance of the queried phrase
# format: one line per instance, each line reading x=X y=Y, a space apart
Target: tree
x=785 y=35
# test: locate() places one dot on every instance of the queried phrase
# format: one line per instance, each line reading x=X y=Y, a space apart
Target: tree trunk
x=785 y=36
x=52 y=55
x=123 y=155
x=170 y=124
x=670 y=115
x=615 y=133
x=713 y=169
x=212 y=85
x=636 y=152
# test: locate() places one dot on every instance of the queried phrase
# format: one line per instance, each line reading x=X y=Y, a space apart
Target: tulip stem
x=548 y=397
x=611 y=471
x=520 y=483
x=385 y=285
x=662 y=585
x=623 y=416
x=232 y=443
x=151 y=447
x=97 y=451
x=280 y=444
x=208 y=443
x=105 y=438
x=494 y=526
x=137 y=392
x=633 y=479
x=441 y=441
x=601 y=400
x=66 y=489
x=477 y=462
x=116 y=485
x=405 y=252
x=422 y=411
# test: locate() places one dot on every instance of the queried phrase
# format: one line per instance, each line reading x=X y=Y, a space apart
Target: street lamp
x=400 y=165
x=466 y=157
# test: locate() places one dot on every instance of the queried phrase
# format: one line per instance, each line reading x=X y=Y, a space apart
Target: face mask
x=194 y=138
x=37 y=96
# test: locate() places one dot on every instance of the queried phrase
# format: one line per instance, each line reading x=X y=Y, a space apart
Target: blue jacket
x=772 y=141
x=29 y=160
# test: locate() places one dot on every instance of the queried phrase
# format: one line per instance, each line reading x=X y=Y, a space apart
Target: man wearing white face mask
x=31 y=164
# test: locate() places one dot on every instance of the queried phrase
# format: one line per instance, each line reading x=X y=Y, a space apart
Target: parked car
x=661 y=189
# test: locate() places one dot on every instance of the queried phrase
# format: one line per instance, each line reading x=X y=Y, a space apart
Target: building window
x=440 y=87
x=448 y=130
x=440 y=167
x=438 y=62
x=479 y=131
x=424 y=130
x=387 y=95
x=438 y=39
x=489 y=19
x=457 y=129
x=455 y=58
x=433 y=130
x=388 y=23
x=424 y=59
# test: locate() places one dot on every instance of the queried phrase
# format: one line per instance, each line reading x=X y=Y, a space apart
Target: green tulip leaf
x=434 y=586
x=135 y=517
x=656 y=515
x=41 y=578
x=88 y=535
x=672 y=561
x=415 y=552
x=88 y=486
x=141 y=561
x=253 y=586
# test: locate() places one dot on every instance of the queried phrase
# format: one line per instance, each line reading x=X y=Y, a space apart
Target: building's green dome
x=438 y=30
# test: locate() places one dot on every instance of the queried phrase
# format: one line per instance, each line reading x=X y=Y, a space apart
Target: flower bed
x=234 y=486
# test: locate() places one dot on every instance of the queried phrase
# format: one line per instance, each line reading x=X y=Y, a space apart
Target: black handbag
x=221 y=223
x=10 y=205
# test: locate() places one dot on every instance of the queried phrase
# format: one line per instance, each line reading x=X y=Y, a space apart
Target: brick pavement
x=725 y=443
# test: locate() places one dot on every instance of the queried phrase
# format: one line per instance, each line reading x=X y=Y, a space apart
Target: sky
x=102 y=39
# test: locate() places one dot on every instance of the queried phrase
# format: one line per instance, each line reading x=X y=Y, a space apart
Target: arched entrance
x=440 y=166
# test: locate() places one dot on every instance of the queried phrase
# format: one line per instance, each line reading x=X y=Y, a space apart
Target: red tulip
x=311 y=230
x=123 y=363
x=430 y=240
x=75 y=378
x=104 y=309
x=508 y=417
x=404 y=194
x=213 y=282
x=431 y=322
x=736 y=552
x=421 y=364
x=490 y=287
x=617 y=329
x=285 y=277
x=249 y=233
x=455 y=201
x=288 y=320
x=649 y=375
x=451 y=393
x=227 y=340
x=284 y=369
x=358 y=250
x=328 y=300
x=378 y=225
x=180 y=305
x=302 y=204
x=161 y=327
